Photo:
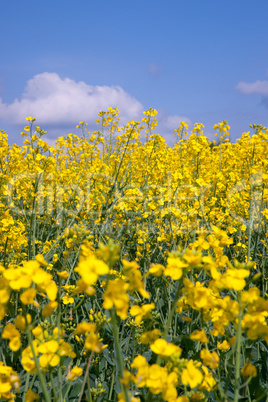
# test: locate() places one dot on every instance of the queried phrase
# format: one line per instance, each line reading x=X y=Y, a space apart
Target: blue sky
x=195 y=60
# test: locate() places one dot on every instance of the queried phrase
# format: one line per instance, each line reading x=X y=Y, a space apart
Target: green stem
x=172 y=311
x=53 y=385
x=238 y=351
x=26 y=385
x=59 y=329
x=171 y=314
x=119 y=357
x=85 y=377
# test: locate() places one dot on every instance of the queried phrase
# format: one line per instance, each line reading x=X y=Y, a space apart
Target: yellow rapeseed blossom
x=248 y=370
x=74 y=373
x=210 y=359
x=10 y=332
x=164 y=349
x=191 y=375
x=198 y=335
x=9 y=381
x=115 y=295
x=141 y=312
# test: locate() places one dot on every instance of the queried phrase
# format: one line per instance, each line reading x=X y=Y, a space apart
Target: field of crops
x=131 y=270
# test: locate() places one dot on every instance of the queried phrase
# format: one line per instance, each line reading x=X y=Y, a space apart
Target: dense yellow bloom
x=198 y=296
x=18 y=278
x=45 y=283
x=20 y=321
x=251 y=295
x=207 y=201
x=63 y=274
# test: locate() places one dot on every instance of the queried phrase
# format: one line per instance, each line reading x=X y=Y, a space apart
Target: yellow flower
x=38 y=332
x=164 y=349
x=28 y=296
x=48 y=309
x=90 y=268
x=27 y=359
x=66 y=299
x=10 y=332
x=65 y=349
x=63 y=274
x=141 y=312
x=45 y=283
x=140 y=363
x=251 y=295
x=115 y=295
x=199 y=336
x=233 y=279
x=74 y=373
x=156 y=270
x=174 y=268
x=150 y=336
x=8 y=379
x=208 y=382
x=85 y=327
x=92 y=343
x=210 y=359
x=191 y=375
x=18 y=278
x=134 y=277
x=223 y=345
x=31 y=396
x=20 y=321
x=49 y=356
x=248 y=370
x=159 y=380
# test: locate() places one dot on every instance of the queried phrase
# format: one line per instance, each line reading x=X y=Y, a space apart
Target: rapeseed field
x=131 y=270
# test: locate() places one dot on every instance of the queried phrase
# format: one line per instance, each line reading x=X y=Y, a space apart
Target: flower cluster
x=131 y=269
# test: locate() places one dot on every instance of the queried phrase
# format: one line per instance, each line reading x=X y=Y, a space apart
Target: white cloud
x=55 y=101
x=257 y=87
x=59 y=104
